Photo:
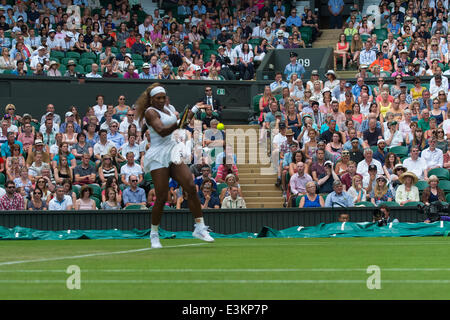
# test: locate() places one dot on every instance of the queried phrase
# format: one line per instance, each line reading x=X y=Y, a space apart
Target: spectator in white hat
x=145 y=74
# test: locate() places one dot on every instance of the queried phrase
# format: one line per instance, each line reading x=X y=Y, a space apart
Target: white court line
x=170 y=281
x=227 y=270
x=94 y=254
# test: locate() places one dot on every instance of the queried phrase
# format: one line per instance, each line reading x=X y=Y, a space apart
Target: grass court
x=266 y=268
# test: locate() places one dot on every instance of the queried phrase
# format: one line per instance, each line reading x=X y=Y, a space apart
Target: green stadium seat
x=97 y=202
x=73 y=55
x=306 y=34
x=65 y=61
x=255 y=102
x=57 y=54
x=220 y=187
x=447 y=197
x=138 y=63
x=441 y=173
x=76 y=189
x=365 y=204
x=297 y=200
x=96 y=190
x=86 y=61
x=2 y=178
x=89 y=55
x=148 y=177
x=206 y=41
x=136 y=56
x=412 y=204
x=79 y=69
x=401 y=151
x=444 y=185
x=389 y=204
x=134 y=207
x=422 y=185
x=204 y=47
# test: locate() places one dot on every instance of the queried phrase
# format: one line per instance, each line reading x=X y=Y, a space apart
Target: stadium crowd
x=342 y=144
x=212 y=40
x=95 y=161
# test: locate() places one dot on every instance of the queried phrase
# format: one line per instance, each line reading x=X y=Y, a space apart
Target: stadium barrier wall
x=31 y=94
x=223 y=221
x=320 y=59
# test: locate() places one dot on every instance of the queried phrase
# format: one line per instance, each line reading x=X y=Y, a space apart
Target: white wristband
x=178 y=122
x=194 y=109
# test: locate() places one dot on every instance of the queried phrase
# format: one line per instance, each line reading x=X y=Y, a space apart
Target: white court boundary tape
x=228 y=270
x=7 y=263
x=203 y=281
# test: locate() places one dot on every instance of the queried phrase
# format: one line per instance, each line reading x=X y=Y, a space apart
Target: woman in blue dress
x=311 y=198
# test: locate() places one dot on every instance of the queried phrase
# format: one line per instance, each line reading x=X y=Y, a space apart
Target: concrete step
x=259 y=187
x=278 y=198
x=261 y=194
x=264 y=205
x=258 y=180
x=255 y=173
x=253 y=170
x=248 y=178
x=347 y=74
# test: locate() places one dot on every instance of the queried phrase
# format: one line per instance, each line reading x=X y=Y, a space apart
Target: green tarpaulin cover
x=347 y=229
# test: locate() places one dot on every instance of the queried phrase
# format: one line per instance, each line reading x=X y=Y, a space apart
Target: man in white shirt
x=131 y=169
x=61 y=201
x=363 y=166
x=51 y=113
x=52 y=42
x=433 y=156
x=131 y=146
x=103 y=146
x=416 y=164
x=40 y=57
x=94 y=72
x=146 y=26
x=100 y=107
x=438 y=83
x=367 y=56
x=393 y=136
x=129 y=119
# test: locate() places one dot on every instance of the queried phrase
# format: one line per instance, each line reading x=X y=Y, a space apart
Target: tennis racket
x=184 y=117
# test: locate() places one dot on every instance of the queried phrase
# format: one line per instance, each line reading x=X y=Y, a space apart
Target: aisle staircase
x=328 y=39
x=258 y=187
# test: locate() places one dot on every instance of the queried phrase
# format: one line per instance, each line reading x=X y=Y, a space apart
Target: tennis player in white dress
x=164 y=159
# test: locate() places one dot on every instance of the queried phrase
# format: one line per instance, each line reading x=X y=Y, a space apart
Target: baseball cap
x=41 y=48
x=355 y=139
x=69 y=114
x=403 y=85
x=314 y=73
x=348 y=85
x=224 y=29
x=372 y=167
x=278 y=114
x=328 y=162
x=145 y=66
x=128 y=55
x=38 y=141
x=293 y=54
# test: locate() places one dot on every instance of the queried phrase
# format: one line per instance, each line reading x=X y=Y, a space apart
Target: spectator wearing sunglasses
x=12 y=200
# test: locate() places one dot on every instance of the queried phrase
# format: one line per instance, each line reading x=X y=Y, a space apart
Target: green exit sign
x=220 y=92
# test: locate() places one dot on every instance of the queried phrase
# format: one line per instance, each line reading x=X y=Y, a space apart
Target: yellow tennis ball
x=220 y=126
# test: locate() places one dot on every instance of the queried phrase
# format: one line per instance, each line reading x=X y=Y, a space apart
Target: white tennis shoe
x=154 y=238
x=202 y=233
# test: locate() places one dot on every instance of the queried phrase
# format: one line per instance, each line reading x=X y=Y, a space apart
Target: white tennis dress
x=163 y=150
